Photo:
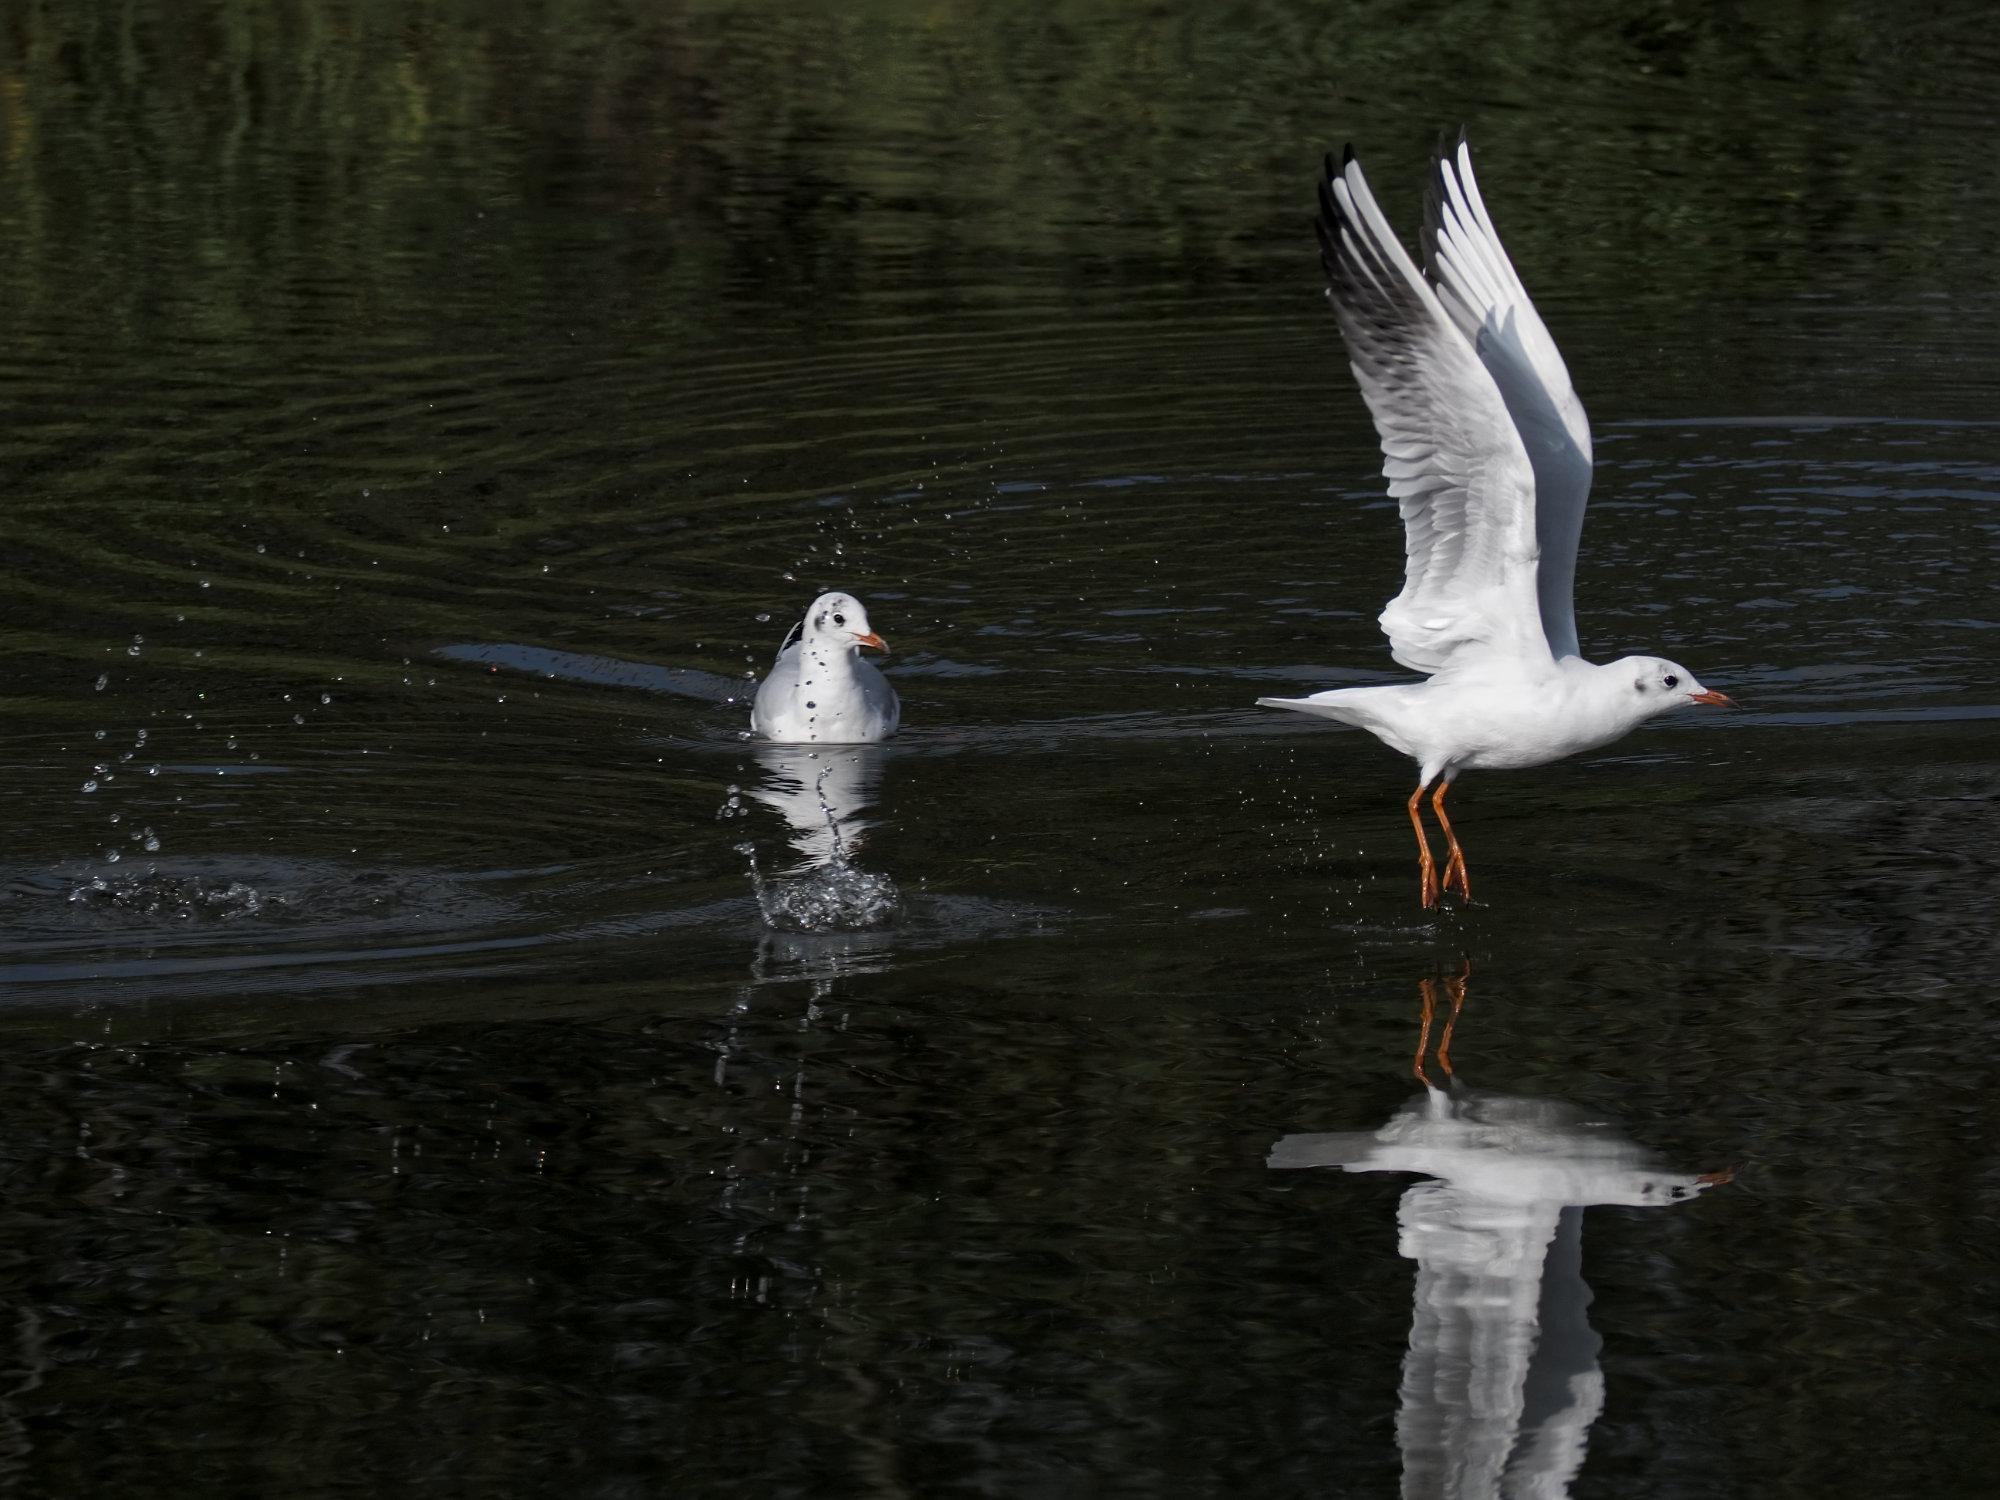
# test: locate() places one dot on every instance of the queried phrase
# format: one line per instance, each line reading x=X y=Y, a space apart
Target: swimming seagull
x=820 y=690
x=1487 y=451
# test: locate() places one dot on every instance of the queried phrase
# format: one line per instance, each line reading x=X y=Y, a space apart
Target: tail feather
x=1337 y=703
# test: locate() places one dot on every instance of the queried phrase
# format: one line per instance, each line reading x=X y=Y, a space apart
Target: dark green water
x=415 y=418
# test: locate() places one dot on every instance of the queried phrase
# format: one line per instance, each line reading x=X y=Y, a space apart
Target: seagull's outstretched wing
x=1453 y=460
x=1477 y=286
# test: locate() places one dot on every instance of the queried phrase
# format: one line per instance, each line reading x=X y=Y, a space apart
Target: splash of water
x=833 y=895
x=157 y=895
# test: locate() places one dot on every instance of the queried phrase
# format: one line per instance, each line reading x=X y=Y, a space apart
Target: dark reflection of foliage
x=323 y=167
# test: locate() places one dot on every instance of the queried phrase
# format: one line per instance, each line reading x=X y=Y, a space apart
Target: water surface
x=417 y=424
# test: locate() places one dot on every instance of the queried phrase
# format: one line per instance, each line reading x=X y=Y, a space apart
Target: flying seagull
x=1487 y=451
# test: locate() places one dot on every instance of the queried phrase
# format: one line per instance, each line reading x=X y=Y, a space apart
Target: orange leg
x=1455 y=865
x=1427 y=869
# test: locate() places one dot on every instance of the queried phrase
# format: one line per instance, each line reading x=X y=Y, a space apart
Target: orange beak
x=872 y=639
x=1709 y=695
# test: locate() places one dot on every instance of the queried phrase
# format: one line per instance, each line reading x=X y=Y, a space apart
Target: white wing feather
x=1476 y=284
x=1450 y=452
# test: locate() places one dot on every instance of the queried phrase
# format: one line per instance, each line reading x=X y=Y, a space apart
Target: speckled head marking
x=840 y=621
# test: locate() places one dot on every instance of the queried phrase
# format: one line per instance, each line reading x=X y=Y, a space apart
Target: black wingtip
x=1326 y=223
x=1346 y=155
x=1450 y=143
x=1328 y=220
x=1433 y=221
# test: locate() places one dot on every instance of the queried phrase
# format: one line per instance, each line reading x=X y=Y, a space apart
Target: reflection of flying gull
x=1487 y=451
x=1501 y=1382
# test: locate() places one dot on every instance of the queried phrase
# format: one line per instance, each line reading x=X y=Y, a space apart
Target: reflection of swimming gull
x=819 y=690
x=822 y=792
x=1502 y=1381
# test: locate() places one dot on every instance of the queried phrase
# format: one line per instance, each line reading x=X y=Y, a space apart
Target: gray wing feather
x=1453 y=459
x=1477 y=286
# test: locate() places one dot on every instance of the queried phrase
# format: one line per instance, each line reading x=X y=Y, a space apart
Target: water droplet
x=298 y=718
x=99 y=735
x=326 y=697
x=764 y=617
x=204 y=583
x=103 y=681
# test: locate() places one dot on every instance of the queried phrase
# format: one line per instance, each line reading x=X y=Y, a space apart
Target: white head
x=1643 y=1189
x=838 y=621
x=1655 y=685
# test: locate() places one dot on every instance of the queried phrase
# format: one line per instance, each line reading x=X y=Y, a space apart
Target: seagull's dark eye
x=1672 y=681
x=842 y=620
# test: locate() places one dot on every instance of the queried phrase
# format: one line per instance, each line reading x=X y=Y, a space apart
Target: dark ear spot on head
x=1638 y=684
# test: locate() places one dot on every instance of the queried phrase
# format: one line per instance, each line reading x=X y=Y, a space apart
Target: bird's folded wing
x=1477 y=286
x=1452 y=457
